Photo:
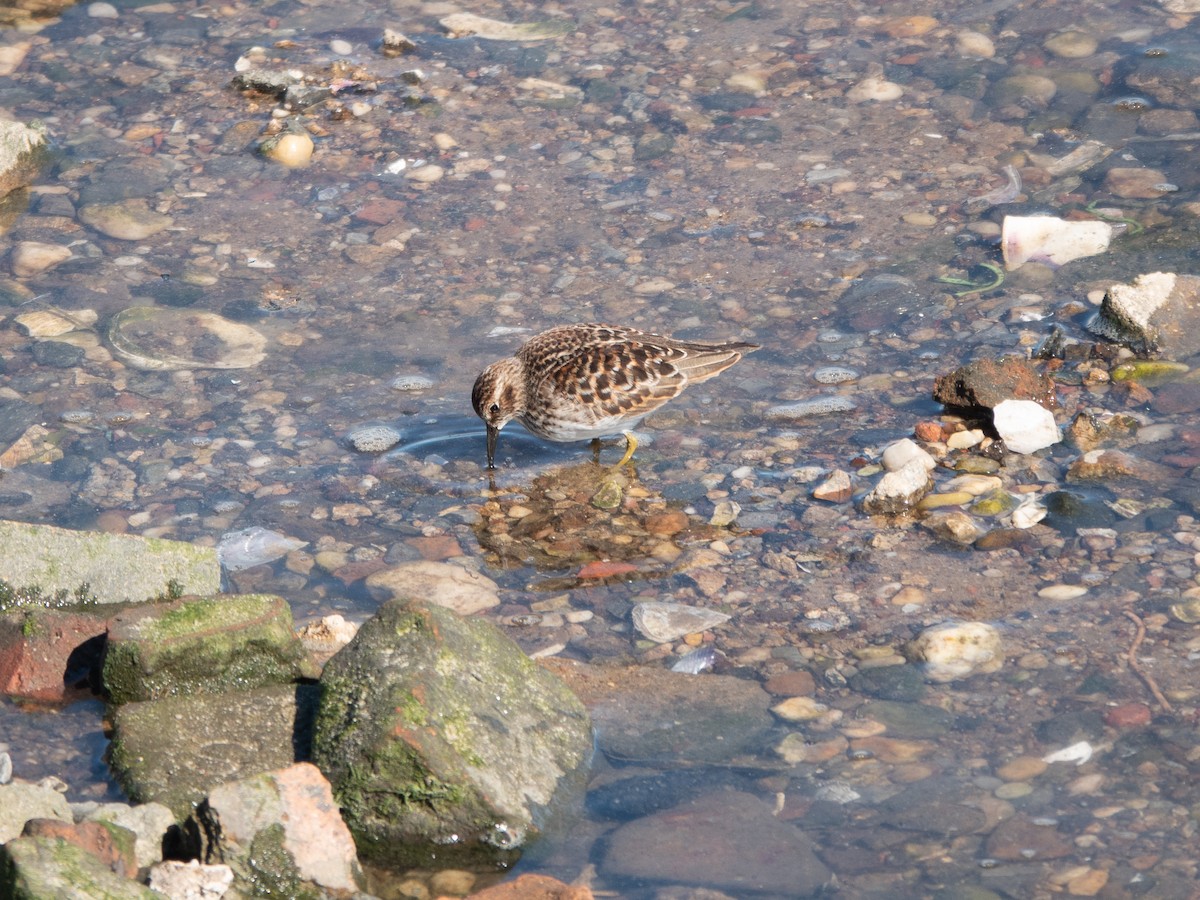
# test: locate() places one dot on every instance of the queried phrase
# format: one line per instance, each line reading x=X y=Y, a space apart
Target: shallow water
x=703 y=172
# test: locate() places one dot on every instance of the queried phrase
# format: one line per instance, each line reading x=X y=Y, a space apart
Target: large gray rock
x=117 y=568
x=724 y=841
x=442 y=738
x=175 y=751
x=37 y=868
x=21 y=801
x=203 y=645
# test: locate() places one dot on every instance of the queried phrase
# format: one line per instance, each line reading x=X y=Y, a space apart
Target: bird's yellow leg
x=630 y=446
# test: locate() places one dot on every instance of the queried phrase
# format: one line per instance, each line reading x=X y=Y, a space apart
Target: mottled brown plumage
x=576 y=382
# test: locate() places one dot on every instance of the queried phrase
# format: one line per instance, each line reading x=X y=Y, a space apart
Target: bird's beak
x=492 y=432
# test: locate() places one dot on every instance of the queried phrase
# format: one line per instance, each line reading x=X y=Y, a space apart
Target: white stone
x=897 y=493
x=973 y=484
x=962 y=440
x=955 y=650
x=1029 y=513
x=374 y=438
x=411 y=383
x=1076 y=753
x=1025 y=426
x=1061 y=592
x=102 y=11
x=1138 y=302
x=902 y=452
x=973 y=43
x=254 y=546
x=874 y=88
x=425 y=174
x=190 y=880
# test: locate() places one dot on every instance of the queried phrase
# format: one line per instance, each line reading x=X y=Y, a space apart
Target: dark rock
x=1068 y=728
x=985 y=383
x=643 y=795
x=1021 y=838
x=57 y=354
x=909 y=720
x=15 y=417
x=175 y=751
x=431 y=725
x=725 y=841
x=649 y=714
x=882 y=302
x=890 y=683
x=1068 y=511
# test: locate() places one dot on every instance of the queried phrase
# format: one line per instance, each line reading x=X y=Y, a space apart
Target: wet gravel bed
x=796 y=177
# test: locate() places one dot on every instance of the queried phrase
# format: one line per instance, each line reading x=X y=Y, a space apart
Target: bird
x=588 y=381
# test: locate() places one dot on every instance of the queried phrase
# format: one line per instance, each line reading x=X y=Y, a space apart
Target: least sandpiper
x=576 y=382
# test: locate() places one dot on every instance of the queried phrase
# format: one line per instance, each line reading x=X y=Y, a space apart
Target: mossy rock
x=442 y=739
x=207 y=645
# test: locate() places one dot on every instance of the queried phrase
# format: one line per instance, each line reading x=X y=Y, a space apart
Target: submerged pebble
x=663 y=622
x=34 y=257
x=818 y=406
x=126 y=220
x=697 y=661
x=293 y=149
x=955 y=650
x=374 y=438
x=411 y=383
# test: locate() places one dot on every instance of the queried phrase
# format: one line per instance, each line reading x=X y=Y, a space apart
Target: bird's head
x=498 y=398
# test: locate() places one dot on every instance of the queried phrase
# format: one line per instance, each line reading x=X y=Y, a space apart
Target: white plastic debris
x=1050 y=240
x=254 y=546
x=1076 y=753
x=662 y=622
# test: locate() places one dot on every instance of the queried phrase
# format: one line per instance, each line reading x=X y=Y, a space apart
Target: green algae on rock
x=34 y=867
x=441 y=737
x=202 y=645
x=175 y=751
x=116 y=568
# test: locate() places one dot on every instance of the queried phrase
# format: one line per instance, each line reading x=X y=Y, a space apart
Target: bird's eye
x=494 y=408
